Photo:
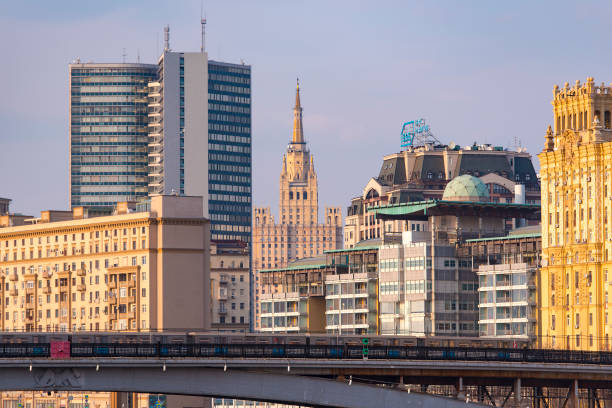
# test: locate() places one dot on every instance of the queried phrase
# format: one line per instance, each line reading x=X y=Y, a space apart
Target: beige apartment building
x=298 y=234
x=229 y=285
x=144 y=268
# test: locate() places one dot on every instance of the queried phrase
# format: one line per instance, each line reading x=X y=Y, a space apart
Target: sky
x=475 y=70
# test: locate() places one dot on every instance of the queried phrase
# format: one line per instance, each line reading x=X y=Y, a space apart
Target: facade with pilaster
x=576 y=174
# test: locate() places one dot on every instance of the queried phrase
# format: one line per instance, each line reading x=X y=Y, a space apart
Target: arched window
x=607 y=119
x=558 y=127
x=372 y=194
x=291 y=195
x=221 y=264
x=305 y=195
x=297 y=195
x=598 y=115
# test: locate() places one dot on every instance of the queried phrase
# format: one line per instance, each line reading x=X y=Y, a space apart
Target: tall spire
x=298 y=130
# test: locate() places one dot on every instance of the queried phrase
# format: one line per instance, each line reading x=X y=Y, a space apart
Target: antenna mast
x=167 y=38
x=203 y=22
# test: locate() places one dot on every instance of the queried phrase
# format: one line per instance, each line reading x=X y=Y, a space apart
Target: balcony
x=13 y=292
x=47 y=274
x=503 y=282
x=361 y=320
x=80 y=272
x=47 y=290
x=13 y=276
x=112 y=284
x=81 y=287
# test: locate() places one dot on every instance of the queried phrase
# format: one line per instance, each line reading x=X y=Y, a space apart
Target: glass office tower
x=108 y=133
x=229 y=150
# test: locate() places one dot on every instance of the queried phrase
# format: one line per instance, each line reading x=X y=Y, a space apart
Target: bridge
x=313 y=382
x=330 y=375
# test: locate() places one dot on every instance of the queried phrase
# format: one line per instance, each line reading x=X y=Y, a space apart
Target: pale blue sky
x=476 y=70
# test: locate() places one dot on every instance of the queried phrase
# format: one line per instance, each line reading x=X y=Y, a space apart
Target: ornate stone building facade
x=422 y=173
x=298 y=234
x=576 y=174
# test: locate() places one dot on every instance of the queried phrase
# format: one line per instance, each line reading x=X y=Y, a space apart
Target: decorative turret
x=596 y=127
x=549 y=146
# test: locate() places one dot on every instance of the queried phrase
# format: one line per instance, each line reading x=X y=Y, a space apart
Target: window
x=552 y=322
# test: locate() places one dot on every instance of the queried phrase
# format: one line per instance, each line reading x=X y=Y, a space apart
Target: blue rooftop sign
x=412 y=129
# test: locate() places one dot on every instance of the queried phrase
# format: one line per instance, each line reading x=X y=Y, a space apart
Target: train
x=190 y=337
x=218 y=345
x=214 y=345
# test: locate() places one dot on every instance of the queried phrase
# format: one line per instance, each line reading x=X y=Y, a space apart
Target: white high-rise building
x=178 y=125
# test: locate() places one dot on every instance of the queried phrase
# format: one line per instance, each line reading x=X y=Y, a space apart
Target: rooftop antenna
x=138 y=55
x=123 y=55
x=517 y=143
x=203 y=23
x=167 y=38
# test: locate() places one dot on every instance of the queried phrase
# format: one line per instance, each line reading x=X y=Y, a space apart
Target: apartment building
x=428 y=286
x=507 y=267
x=142 y=268
x=333 y=293
x=229 y=283
x=134 y=270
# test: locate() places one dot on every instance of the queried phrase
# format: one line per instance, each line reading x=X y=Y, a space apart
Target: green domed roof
x=466 y=188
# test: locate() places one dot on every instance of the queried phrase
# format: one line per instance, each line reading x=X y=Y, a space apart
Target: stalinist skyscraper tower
x=298 y=234
x=299 y=200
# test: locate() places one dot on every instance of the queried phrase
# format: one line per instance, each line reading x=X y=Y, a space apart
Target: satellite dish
x=452 y=145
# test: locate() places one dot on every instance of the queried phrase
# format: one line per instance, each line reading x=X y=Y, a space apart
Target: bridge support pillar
x=517 y=391
x=572 y=398
x=460 y=392
x=539 y=400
